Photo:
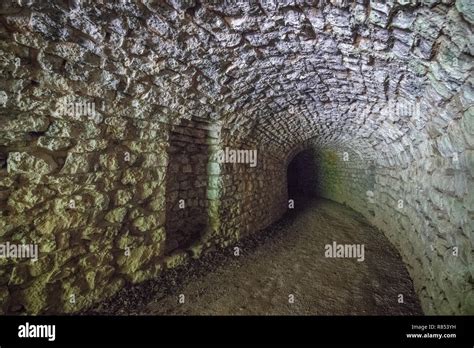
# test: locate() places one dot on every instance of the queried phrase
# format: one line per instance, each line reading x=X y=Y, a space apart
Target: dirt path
x=286 y=259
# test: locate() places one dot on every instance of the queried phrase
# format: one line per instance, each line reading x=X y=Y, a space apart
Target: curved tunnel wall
x=427 y=224
x=172 y=83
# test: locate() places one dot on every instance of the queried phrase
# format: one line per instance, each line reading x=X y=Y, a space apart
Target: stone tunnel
x=117 y=118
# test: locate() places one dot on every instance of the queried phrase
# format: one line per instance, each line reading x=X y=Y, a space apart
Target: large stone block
x=23 y=162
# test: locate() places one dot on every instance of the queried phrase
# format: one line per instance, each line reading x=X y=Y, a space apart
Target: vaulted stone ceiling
x=282 y=72
x=274 y=72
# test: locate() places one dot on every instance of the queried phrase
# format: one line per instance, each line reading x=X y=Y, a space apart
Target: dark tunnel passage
x=302 y=177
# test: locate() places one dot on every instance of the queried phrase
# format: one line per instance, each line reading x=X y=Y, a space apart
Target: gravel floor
x=282 y=263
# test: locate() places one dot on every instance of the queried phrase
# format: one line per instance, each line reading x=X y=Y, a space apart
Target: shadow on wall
x=186 y=186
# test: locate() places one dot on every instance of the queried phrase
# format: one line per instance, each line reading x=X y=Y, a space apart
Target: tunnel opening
x=302 y=176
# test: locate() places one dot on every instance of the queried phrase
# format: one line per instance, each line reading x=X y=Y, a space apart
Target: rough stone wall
x=424 y=205
x=260 y=193
x=250 y=198
x=428 y=216
x=87 y=188
x=186 y=186
x=165 y=78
